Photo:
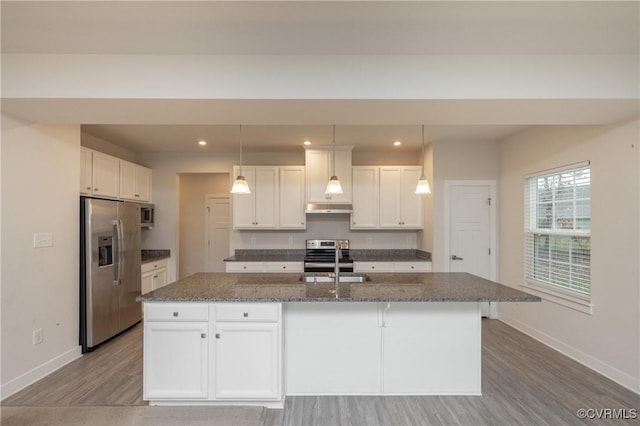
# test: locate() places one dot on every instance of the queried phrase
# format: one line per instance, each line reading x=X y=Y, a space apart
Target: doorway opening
x=203 y=222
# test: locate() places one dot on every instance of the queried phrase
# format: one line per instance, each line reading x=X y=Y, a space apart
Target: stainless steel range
x=320 y=256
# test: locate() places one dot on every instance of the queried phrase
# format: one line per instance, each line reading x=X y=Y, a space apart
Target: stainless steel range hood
x=328 y=208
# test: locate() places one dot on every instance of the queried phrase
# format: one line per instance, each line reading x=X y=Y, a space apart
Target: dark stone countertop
x=155 y=255
x=358 y=255
x=422 y=287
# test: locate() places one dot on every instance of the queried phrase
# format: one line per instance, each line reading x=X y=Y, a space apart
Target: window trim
x=554 y=293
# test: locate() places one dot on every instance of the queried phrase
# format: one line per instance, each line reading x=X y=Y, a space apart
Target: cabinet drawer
x=373 y=266
x=152 y=266
x=176 y=312
x=265 y=312
x=412 y=266
x=245 y=267
x=285 y=267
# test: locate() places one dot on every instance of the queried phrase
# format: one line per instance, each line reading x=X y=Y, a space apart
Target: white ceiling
x=312 y=28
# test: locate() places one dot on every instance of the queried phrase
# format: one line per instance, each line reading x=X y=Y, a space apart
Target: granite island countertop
x=410 y=287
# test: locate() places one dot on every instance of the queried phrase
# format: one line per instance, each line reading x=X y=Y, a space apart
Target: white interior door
x=218 y=224
x=471 y=234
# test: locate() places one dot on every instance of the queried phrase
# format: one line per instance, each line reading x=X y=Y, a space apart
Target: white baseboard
x=39 y=372
x=620 y=377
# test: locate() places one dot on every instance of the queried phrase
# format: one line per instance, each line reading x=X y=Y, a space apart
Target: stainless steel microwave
x=147 y=215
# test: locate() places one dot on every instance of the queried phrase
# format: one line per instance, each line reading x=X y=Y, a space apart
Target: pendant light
x=240 y=185
x=334 y=186
x=423 y=183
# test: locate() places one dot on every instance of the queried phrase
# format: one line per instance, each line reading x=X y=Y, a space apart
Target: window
x=558 y=231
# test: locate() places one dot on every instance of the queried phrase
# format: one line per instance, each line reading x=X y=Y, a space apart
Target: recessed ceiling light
x=397 y=143
x=307 y=142
x=202 y=143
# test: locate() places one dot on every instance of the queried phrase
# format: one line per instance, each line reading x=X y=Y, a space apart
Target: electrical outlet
x=290 y=241
x=253 y=241
x=38 y=336
x=42 y=240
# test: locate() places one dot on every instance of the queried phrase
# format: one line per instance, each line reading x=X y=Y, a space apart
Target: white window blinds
x=558 y=229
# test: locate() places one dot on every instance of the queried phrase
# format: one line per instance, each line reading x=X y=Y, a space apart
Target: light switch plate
x=42 y=240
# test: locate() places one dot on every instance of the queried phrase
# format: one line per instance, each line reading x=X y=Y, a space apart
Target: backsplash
x=319 y=226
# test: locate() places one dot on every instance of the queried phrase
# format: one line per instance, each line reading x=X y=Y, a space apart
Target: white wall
x=193 y=188
x=457 y=161
x=106 y=147
x=40 y=175
x=609 y=340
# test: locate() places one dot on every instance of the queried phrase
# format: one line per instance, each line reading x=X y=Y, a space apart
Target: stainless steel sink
x=329 y=278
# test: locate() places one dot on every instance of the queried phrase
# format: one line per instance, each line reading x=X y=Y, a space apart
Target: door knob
x=454 y=257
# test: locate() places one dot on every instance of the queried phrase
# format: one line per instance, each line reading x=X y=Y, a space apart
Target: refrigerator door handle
x=117 y=270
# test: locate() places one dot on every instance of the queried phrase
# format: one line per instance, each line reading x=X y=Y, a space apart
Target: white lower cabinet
x=213 y=353
x=271 y=267
x=415 y=266
x=247 y=360
x=176 y=360
x=154 y=275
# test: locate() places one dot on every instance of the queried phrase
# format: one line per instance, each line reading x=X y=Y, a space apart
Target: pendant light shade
x=334 y=186
x=240 y=185
x=423 y=184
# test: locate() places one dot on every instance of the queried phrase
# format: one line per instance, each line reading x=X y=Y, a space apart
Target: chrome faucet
x=336 y=269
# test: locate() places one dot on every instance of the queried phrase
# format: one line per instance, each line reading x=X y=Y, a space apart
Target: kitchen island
x=251 y=339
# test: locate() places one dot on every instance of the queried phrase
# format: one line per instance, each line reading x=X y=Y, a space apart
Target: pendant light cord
x=423 y=150
x=333 y=173
x=240 y=149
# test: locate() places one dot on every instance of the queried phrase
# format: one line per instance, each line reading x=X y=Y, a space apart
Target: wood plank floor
x=524 y=383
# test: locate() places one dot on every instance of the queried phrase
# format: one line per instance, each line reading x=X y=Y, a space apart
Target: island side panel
x=332 y=348
x=432 y=348
x=413 y=348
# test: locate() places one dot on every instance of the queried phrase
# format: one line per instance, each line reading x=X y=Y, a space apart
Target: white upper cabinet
x=400 y=206
x=292 y=199
x=105 y=175
x=318 y=166
x=260 y=208
x=365 y=197
x=86 y=165
x=276 y=200
x=135 y=182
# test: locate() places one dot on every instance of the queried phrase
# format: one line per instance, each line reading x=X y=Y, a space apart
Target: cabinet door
x=292 y=198
x=243 y=213
x=390 y=197
x=365 y=198
x=106 y=175
x=143 y=184
x=317 y=169
x=266 y=205
x=147 y=282
x=247 y=361
x=175 y=360
x=127 y=180
x=420 y=356
x=85 y=170
x=411 y=202
x=160 y=278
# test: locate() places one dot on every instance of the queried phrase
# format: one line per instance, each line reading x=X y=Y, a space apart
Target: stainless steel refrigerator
x=109 y=269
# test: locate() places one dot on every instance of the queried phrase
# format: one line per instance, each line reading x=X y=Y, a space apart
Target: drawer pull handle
x=203 y=335
x=175 y=314
x=246 y=314
x=217 y=335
